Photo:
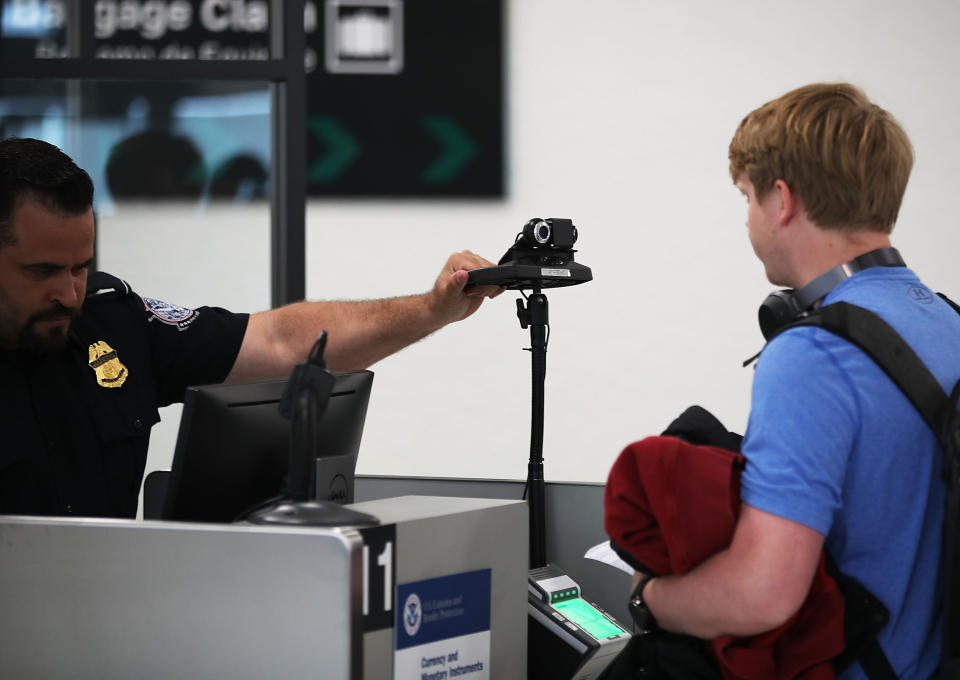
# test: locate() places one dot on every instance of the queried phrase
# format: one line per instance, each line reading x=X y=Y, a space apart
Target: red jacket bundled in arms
x=669 y=505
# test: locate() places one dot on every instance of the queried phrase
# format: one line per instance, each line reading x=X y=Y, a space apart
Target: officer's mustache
x=56 y=338
x=55 y=312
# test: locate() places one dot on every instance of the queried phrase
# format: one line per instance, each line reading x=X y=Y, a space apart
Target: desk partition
x=148 y=599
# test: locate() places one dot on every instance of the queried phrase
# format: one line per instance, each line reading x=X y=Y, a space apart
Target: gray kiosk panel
x=111 y=599
x=438 y=536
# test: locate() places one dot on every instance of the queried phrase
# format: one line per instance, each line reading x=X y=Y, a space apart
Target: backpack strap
x=864 y=616
x=898 y=360
x=950 y=560
x=950 y=302
x=891 y=352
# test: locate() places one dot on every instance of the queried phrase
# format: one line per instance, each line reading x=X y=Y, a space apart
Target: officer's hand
x=449 y=299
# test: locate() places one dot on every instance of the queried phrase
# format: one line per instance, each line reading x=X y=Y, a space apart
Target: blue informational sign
x=443 y=628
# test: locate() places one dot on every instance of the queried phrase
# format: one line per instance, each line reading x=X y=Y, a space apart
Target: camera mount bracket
x=537 y=259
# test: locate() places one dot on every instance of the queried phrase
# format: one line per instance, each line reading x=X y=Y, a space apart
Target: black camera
x=540 y=257
x=554 y=232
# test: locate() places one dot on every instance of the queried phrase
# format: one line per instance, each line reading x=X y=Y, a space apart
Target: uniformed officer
x=85 y=362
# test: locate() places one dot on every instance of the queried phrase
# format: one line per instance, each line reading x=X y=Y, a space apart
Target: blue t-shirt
x=832 y=443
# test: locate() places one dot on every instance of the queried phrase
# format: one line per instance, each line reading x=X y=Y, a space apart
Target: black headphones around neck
x=783 y=306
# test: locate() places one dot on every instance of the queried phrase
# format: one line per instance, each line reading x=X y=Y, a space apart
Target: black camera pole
x=540 y=257
x=535 y=314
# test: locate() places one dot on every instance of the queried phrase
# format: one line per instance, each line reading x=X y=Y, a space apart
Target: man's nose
x=67 y=289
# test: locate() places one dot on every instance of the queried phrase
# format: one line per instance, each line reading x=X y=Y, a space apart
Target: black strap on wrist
x=643 y=619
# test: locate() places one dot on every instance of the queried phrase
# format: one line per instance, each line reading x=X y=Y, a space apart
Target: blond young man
x=837 y=456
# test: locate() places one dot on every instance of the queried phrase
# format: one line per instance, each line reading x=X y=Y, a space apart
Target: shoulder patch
x=174 y=315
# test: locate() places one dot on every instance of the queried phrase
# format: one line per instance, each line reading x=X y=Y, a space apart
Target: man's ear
x=789 y=203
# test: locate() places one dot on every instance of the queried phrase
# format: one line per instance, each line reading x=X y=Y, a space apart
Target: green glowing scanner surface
x=588 y=618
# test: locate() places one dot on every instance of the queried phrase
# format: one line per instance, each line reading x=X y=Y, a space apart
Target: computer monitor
x=232 y=449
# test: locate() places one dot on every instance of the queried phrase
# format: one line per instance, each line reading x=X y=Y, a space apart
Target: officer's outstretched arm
x=360 y=332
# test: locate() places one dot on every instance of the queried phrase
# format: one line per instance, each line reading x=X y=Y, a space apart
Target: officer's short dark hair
x=30 y=168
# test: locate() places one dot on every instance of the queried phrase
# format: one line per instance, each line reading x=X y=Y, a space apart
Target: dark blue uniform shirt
x=76 y=424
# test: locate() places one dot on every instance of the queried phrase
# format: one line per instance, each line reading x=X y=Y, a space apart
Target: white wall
x=619 y=114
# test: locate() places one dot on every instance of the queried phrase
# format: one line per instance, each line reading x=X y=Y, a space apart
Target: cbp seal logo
x=106 y=364
x=174 y=315
x=412 y=614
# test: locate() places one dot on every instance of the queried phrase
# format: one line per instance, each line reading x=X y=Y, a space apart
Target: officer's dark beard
x=52 y=341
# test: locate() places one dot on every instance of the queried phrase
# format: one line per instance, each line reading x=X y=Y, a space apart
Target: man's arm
x=752 y=587
x=361 y=332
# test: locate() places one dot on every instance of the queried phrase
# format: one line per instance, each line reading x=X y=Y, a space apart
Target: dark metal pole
x=80 y=25
x=288 y=186
x=79 y=37
x=538 y=315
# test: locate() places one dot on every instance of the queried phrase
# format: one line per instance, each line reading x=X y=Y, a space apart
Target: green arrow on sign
x=458 y=149
x=342 y=149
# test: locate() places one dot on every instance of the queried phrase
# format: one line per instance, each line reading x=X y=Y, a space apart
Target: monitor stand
x=304 y=402
x=284 y=511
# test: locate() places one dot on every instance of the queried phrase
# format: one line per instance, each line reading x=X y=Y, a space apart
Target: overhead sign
x=404 y=97
x=408 y=99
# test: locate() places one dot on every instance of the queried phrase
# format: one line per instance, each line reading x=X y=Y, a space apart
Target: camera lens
x=541 y=232
x=537 y=231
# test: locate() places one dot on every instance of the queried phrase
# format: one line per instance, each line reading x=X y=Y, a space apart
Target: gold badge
x=105 y=363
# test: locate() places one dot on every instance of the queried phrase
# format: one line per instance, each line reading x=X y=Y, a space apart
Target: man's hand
x=450 y=300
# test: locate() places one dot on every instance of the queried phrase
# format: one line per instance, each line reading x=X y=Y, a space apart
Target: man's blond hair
x=844 y=156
